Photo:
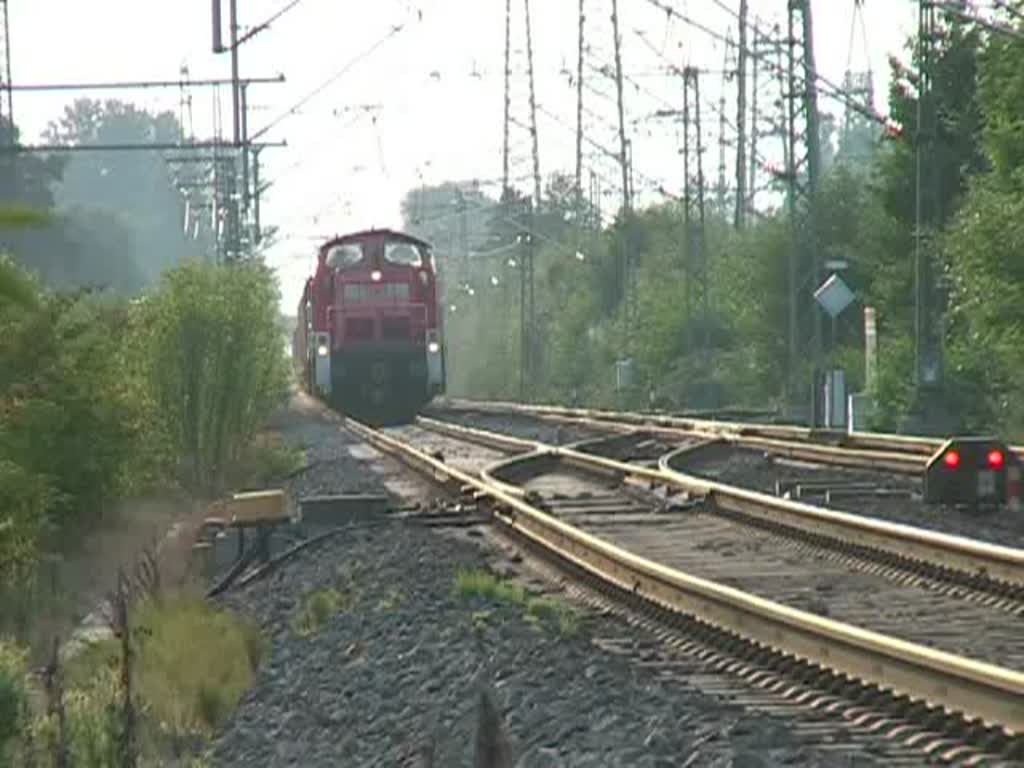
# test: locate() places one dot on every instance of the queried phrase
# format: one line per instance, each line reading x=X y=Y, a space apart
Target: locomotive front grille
x=359 y=328
x=395 y=328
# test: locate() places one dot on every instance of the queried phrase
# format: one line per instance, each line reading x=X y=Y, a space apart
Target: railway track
x=896 y=454
x=862 y=481
x=878 y=622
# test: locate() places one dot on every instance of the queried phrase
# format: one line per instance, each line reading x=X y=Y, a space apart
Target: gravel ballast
x=404 y=656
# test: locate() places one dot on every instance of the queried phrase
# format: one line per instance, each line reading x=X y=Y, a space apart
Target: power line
x=125 y=147
x=344 y=70
x=266 y=24
x=828 y=87
x=142 y=84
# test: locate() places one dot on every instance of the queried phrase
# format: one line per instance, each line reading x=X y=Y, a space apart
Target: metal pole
x=790 y=95
x=218 y=34
x=722 y=127
x=245 y=147
x=463 y=233
x=701 y=221
x=579 y=123
x=813 y=170
x=626 y=202
x=741 y=121
x=523 y=358
x=235 y=93
x=754 y=117
x=234 y=243
x=533 y=109
x=8 y=84
x=919 y=216
x=624 y=162
x=532 y=338
x=257 y=233
x=508 y=74
x=687 y=202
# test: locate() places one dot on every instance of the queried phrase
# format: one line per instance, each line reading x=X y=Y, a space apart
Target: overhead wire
x=825 y=85
x=331 y=80
x=762 y=162
x=333 y=131
x=265 y=25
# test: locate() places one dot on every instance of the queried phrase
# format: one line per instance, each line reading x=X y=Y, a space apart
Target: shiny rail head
x=974 y=472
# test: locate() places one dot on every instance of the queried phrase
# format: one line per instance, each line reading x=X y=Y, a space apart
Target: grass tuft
x=318 y=608
x=537 y=611
x=391 y=601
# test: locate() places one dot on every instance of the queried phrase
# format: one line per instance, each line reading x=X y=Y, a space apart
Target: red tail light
x=952 y=459
x=996 y=459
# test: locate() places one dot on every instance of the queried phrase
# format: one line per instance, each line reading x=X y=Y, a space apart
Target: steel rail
x=969 y=556
x=957 y=684
x=877 y=448
x=890 y=461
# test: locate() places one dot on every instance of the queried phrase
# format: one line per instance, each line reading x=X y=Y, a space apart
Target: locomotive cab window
x=403 y=254
x=344 y=255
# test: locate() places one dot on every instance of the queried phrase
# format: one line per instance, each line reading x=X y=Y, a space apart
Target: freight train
x=368 y=339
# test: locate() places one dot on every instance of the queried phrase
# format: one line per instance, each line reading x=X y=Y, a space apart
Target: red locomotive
x=368 y=336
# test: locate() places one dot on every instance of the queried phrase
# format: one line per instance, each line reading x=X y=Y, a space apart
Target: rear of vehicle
x=386 y=354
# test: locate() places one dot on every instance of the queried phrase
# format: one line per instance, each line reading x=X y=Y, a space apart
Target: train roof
x=357 y=236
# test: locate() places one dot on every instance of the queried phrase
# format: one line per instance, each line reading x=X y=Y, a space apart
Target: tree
x=136 y=186
x=983 y=250
x=213 y=359
x=26 y=179
x=1001 y=93
x=957 y=151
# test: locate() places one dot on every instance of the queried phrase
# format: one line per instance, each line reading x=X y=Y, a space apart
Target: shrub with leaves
x=215 y=361
x=14 y=713
x=68 y=422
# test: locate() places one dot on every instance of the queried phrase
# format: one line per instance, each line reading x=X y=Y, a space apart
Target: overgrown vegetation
x=865 y=216
x=481 y=585
x=193 y=663
x=126 y=373
x=212 y=352
x=100 y=397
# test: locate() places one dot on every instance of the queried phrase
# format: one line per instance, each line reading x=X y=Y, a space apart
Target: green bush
x=23 y=512
x=215 y=365
x=13 y=699
x=69 y=423
x=100 y=398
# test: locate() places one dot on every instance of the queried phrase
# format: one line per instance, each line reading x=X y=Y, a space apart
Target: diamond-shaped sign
x=834 y=295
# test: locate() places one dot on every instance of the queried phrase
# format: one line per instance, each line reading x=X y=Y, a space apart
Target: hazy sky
x=432 y=91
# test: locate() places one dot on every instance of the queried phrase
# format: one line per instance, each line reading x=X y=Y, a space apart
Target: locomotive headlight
x=434 y=347
x=375 y=276
x=322 y=350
